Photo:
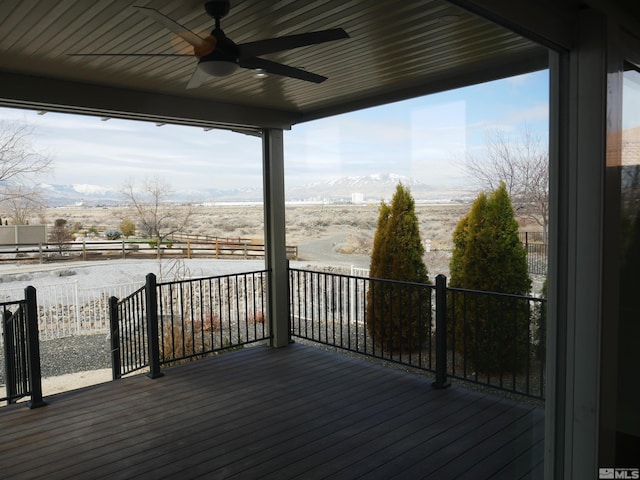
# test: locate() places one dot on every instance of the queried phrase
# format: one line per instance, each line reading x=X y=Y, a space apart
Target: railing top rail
x=214 y=277
x=12 y=302
x=133 y=294
x=501 y=294
x=374 y=279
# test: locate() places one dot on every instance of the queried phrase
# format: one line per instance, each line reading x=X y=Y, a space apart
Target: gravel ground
x=70 y=355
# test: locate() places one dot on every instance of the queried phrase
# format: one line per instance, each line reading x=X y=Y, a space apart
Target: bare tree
x=522 y=163
x=20 y=162
x=60 y=234
x=21 y=203
x=158 y=217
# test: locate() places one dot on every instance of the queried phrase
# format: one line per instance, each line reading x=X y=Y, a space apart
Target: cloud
x=424 y=138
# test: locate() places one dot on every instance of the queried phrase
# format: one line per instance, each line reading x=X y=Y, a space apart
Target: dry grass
x=304 y=222
x=349 y=228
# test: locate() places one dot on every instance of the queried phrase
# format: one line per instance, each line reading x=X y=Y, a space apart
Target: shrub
x=189 y=338
x=488 y=256
x=398 y=315
x=113 y=234
x=127 y=227
x=60 y=234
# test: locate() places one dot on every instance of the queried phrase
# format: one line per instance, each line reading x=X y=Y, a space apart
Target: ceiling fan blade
x=129 y=55
x=280 y=69
x=198 y=77
x=206 y=45
x=262 y=47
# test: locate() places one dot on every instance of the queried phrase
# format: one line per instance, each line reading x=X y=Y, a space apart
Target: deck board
x=296 y=412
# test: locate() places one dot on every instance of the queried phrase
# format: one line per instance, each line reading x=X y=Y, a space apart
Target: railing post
x=441 y=333
x=33 y=349
x=76 y=302
x=151 y=299
x=114 y=328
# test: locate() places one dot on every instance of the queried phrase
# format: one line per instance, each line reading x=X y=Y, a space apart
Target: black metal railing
x=497 y=339
x=536 y=246
x=129 y=342
x=168 y=322
x=537 y=257
x=482 y=337
x=21 y=350
x=331 y=309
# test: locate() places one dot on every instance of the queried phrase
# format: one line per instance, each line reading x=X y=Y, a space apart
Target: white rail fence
x=71 y=308
x=359 y=272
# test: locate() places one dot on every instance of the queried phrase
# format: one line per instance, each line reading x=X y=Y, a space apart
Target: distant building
x=357 y=198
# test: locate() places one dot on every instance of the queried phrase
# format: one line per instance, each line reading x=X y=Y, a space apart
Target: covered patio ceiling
x=397 y=49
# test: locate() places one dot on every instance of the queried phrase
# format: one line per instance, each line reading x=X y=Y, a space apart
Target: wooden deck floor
x=297 y=412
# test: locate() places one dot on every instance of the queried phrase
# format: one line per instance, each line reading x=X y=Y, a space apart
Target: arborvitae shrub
x=493 y=331
x=398 y=315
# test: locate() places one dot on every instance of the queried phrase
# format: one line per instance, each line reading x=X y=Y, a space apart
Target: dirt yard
x=327 y=234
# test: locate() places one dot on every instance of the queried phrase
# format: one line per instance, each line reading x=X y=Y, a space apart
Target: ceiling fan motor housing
x=217 y=8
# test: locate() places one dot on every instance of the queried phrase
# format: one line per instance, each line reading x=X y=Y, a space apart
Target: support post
x=114 y=328
x=33 y=346
x=151 y=300
x=275 y=244
x=441 y=333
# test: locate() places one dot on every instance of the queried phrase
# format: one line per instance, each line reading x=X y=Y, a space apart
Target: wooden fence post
x=33 y=349
x=441 y=333
x=151 y=300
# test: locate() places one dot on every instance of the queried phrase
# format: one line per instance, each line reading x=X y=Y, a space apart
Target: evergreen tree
x=488 y=256
x=398 y=315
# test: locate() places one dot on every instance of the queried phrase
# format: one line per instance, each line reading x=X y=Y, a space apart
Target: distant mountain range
x=365 y=188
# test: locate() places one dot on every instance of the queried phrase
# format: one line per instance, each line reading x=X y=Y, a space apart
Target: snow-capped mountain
x=374 y=187
x=95 y=195
x=377 y=179
x=61 y=195
x=368 y=188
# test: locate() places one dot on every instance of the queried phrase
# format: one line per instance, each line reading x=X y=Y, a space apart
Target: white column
x=274 y=235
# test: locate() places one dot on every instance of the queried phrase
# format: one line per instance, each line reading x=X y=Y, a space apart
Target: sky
x=425 y=138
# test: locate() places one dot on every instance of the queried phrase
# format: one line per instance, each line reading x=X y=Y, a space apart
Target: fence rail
x=492 y=339
x=100 y=250
x=163 y=323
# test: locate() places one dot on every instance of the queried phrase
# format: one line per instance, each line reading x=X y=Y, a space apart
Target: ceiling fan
x=219 y=56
